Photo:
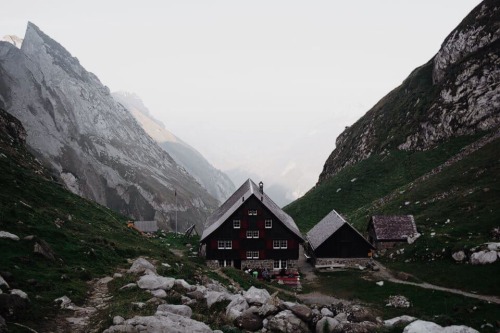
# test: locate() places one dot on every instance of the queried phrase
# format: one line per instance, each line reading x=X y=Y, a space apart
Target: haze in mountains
x=214 y=181
x=91 y=142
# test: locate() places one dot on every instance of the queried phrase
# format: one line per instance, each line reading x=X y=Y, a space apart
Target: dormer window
x=236 y=224
x=269 y=224
x=252 y=212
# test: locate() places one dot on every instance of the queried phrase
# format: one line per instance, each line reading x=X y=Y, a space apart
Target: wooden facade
x=250 y=231
x=388 y=231
x=333 y=238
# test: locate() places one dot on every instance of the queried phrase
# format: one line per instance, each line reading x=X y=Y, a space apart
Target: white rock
x=117 y=320
x=129 y=286
x=117 y=275
x=379 y=283
x=19 y=293
x=152 y=282
x=326 y=312
x=160 y=293
x=8 y=235
x=493 y=246
x=399 y=320
x=184 y=284
x=458 y=329
x=236 y=307
x=286 y=321
x=65 y=303
x=181 y=310
x=326 y=325
x=341 y=317
x=139 y=305
x=256 y=296
x=3 y=282
x=140 y=265
x=213 y=297
x=483 y=257
x=458 y=256
x=164 y=264
x=421 y=326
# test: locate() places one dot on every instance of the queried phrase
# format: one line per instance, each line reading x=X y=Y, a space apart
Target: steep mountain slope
x=90 y=141
x=213 y=180
x=456 y=93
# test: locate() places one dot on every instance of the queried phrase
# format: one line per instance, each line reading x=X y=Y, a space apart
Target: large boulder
x=302 y=311
x=399 y=321
x=326 y=325
x=483 y=257
x=287 y=322
x=236 y=307
x=248 y=321
x=182 y=283
x=140 y=266
x=197 y=295
x=256 y=296
x=152 y=282
x=160 y=322
x=213 y=297
x=181 y=310
x=271 y=307
x=421 y=326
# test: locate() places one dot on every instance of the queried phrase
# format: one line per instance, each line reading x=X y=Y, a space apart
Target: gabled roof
x=327 y=227
x=241 y=195
x=394 y=227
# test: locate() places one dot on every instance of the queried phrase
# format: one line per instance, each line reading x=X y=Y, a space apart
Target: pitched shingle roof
x=394 y=227
x=327 y=227
x=242 y=194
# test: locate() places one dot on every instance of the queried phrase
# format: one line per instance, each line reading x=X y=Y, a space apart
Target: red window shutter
x=213 y=243
x=262 y=254
x=236 y=244
x=269 y=244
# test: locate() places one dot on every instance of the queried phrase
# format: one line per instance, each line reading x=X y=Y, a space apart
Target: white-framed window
x=252 y=233
x=280 y=244
x=225 y=263
x=236 y=224
x=280 y=264
x=225 y=244
x=252 y=254
x=269 y=224
x=252 y=212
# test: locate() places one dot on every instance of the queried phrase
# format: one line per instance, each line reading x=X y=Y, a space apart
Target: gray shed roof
x=327 y=227
x=245 y=191
x=146 y=226
x=396 y=227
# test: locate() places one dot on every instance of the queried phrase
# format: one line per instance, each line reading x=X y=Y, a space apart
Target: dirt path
x=386 y=274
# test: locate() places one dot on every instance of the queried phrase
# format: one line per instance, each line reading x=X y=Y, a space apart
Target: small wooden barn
x=387 y=231
x=334 y=242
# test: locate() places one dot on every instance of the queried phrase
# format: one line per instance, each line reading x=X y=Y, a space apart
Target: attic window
x=252 y=212
x=269 y=224
x=252 y=254
x=252 y=233
x=236 y=224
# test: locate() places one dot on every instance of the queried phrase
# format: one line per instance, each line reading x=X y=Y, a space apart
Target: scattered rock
x=117 y=320
x=152 y=282
x=398 y=301
x=42 y=248
x=399 y=320
x=362 y=327
x=160 y=293
x=341 y=317
x=256 y=296
x=483 y=257
x=302 y=311
x=138 y=305
x=129 y=286
x=421 y=326
x=379 y=283
x=140 y=265
x=19 y=293
x=458 y=256
x=182 y=283
x=64 y=302
x=197 y=295
x=3 y=282
x=8 y=235
x=287 y=322
x=326 y=312
x=493 y=246
x=326 y=325
x=181 y=310
x=213 y=297
x=117 y=275
x=361 y=314
x=236 y=307
x=249 y=321
x=271 y=307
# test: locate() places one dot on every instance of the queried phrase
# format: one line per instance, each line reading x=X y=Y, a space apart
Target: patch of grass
x=440 y=307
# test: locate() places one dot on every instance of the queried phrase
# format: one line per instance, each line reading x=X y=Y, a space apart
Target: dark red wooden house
x=250 y=231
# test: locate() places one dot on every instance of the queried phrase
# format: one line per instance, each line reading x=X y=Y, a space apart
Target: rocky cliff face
x=93 y=143
x=213 y=180
x=456 y=93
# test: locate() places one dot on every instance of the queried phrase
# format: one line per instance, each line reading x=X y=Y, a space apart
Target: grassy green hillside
x=455 y=209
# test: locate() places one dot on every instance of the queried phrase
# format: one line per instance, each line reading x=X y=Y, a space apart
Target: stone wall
x=348 y=262
x=253 y=264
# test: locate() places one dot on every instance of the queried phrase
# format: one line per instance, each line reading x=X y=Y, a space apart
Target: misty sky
x=263 y=86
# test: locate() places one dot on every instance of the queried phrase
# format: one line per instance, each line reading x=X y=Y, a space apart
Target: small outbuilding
x=335 y=243
x=387 y=231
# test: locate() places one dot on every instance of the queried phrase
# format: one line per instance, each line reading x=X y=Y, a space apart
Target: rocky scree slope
x=456 y=93
x=93 y=143
x=213 y=180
